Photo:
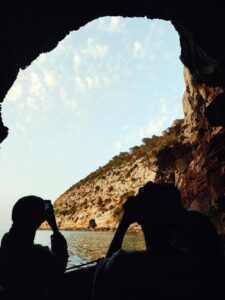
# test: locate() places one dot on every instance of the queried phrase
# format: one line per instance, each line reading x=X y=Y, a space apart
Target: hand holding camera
x=130 y=216
x=50 y=215
x=130 y=209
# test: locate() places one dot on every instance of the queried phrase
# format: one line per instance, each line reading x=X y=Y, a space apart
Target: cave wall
x=201 y=183
x=31 y=28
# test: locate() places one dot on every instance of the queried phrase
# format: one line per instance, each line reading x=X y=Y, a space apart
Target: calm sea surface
x=85 y=246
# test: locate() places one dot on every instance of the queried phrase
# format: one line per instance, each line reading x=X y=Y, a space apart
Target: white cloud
x=20 y=128
x=49 y=79
x=170 y=56
x=69 y=102
x=77 y=60
x=115 y=24
x=92 y=80
x=134 y=137
x=125 y=127
x=166 y=105
x=138 y=49
x=156 y=27
x=112 y=24
x=15 y=92
x=21 y=105
x=126 y=141
x=95 y=49
x=32 y=103
x=79 y=84
x=156 y=126
x=36 y=87
x=42 y=58
x=118 y=145
x=28 y=119
x=38 y=97
x=106 y=80
x=61 y=48
x=163 y=102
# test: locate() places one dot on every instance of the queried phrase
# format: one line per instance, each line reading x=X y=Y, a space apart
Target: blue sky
x=99 y=92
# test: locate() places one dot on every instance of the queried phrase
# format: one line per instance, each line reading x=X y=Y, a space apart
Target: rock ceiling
x=31 y=28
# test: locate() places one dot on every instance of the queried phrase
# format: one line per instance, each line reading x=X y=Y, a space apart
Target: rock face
x=189 y=154
x=28 y=30
x=96 y=201
x=99 y=197
x=34 y=29
x=204 y=181
x=200 y=184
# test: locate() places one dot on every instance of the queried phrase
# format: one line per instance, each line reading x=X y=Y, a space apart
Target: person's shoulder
x=6 y=240
x=114 y=259
x=123 y=260
x=5 y=237
x=202 y=223
x=198 y=217
x=124 y=255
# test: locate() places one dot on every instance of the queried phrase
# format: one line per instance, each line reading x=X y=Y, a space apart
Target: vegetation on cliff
x=190 y=154
x=96 y=201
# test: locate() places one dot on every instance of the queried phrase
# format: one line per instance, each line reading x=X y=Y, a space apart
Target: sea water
x=87 y=246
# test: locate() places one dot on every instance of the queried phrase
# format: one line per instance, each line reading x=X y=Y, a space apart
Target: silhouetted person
x=180 y=247
x=27 y=270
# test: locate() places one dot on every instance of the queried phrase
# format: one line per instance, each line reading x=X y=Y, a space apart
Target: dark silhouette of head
x=158 y=208
x=158 y=200
x=28 y=212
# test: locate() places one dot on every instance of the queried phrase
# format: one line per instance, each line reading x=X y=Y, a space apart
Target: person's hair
x=158 y=202
x=28 y=211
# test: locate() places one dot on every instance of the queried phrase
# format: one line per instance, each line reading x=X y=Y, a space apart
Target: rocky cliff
x=96 y=201
x=189 y=153
x=203 y=182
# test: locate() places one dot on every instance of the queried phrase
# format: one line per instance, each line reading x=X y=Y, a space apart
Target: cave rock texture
x=31 y=28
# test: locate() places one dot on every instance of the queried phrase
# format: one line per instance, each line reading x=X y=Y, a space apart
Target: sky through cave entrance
x=98 y=93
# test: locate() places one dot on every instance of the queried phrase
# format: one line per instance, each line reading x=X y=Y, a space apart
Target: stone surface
x=200 y=184
x=100 y=195
x=28 y=29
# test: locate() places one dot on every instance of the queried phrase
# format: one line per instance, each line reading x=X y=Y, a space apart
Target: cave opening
x=123 y=81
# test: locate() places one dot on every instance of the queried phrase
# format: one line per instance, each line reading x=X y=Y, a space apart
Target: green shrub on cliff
x=174 y=155
x=167 y=152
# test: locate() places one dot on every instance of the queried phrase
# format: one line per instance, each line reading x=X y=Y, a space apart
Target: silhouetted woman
x=182 y=248
x=28 y=270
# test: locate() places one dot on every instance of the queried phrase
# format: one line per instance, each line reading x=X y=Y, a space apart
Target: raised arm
x=50 y=218
x=117 y=240
x=127 y=219
x=58 y=242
